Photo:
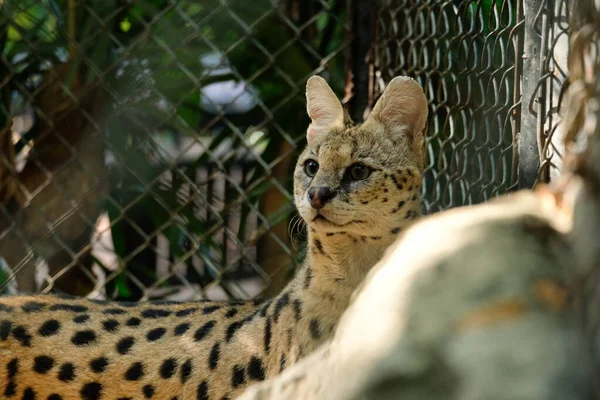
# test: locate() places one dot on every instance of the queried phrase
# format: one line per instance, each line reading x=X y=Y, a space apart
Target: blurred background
x=147 y=146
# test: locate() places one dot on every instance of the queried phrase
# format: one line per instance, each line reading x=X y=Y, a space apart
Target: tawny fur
x=77 y=348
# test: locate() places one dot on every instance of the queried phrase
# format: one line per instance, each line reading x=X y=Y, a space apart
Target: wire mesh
x=146 y=146
x=485 y=92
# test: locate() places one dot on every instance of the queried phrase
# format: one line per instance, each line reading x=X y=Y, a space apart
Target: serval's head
x=362 y=179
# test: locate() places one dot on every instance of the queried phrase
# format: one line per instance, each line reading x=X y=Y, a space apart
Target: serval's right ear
x=323 y=107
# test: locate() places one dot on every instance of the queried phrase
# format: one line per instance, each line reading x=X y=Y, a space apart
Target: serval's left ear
x=401 y=109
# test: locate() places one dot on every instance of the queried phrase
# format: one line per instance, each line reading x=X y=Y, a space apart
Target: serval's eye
x=311 y=167
x=359 y=171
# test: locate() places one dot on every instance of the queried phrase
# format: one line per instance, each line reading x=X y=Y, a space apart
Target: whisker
x=296 y=225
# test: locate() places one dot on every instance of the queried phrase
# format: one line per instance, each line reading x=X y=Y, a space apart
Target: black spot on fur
x=256 y=370
x=130 y=304
x=155 y=334
x=257 y=301
x=12 y=368
x=186 y=371
x=154 y=313
x=114 y=311
x=307 y=277
x=98 y=365
x=268 y=335
x=168 y=368
x=282 y=362
x=375 y=238
x=231 y=313
x=5 y=308
x=364 y=202
x=413 y=198
x=54 y=397
x=215 y=354
x=410 y=214
x=148 y=391
x=22 y=336
x=265 y=307
x=80 y=319
x=280 y=304
x=315 y=329
x=66 y=372
x=297 y=306
x=33 y=306
x=238 y=376
x=43 y=364
x=235 y=326
x=202 y=393
x=185 y=312
x=133 y=322
x=330 y=234
x=68 y=307
x=181 y=329
x=5 y=327
x=319 y=247
x=400 y=205
x=290 y=334
x=49 y=328
x=135 y=372
x=398 y=184
x=99 y=302
x=395 y=230
x=83 y=338
x=11 y=389
x=91 y=391
x=111 y=325
x=125 y=344
x=210 y=309
x=232 y=329
x=28 y=394
x=204 y=330
x=384 y=200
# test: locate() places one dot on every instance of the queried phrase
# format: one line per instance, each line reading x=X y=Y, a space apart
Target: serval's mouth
x=321 y=219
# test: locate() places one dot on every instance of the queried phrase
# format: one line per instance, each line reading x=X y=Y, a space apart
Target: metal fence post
x=529 y=158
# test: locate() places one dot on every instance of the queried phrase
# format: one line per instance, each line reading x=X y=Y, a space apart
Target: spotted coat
x=68 y=348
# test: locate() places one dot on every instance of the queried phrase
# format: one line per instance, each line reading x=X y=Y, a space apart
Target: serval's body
x=356 y=187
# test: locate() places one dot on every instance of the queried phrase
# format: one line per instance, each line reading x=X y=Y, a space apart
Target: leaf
x=125 y=25
x=177 y=239
x=121 y=283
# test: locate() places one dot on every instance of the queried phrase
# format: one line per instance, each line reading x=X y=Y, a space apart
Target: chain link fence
x=493 y=71
x=147 y=146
